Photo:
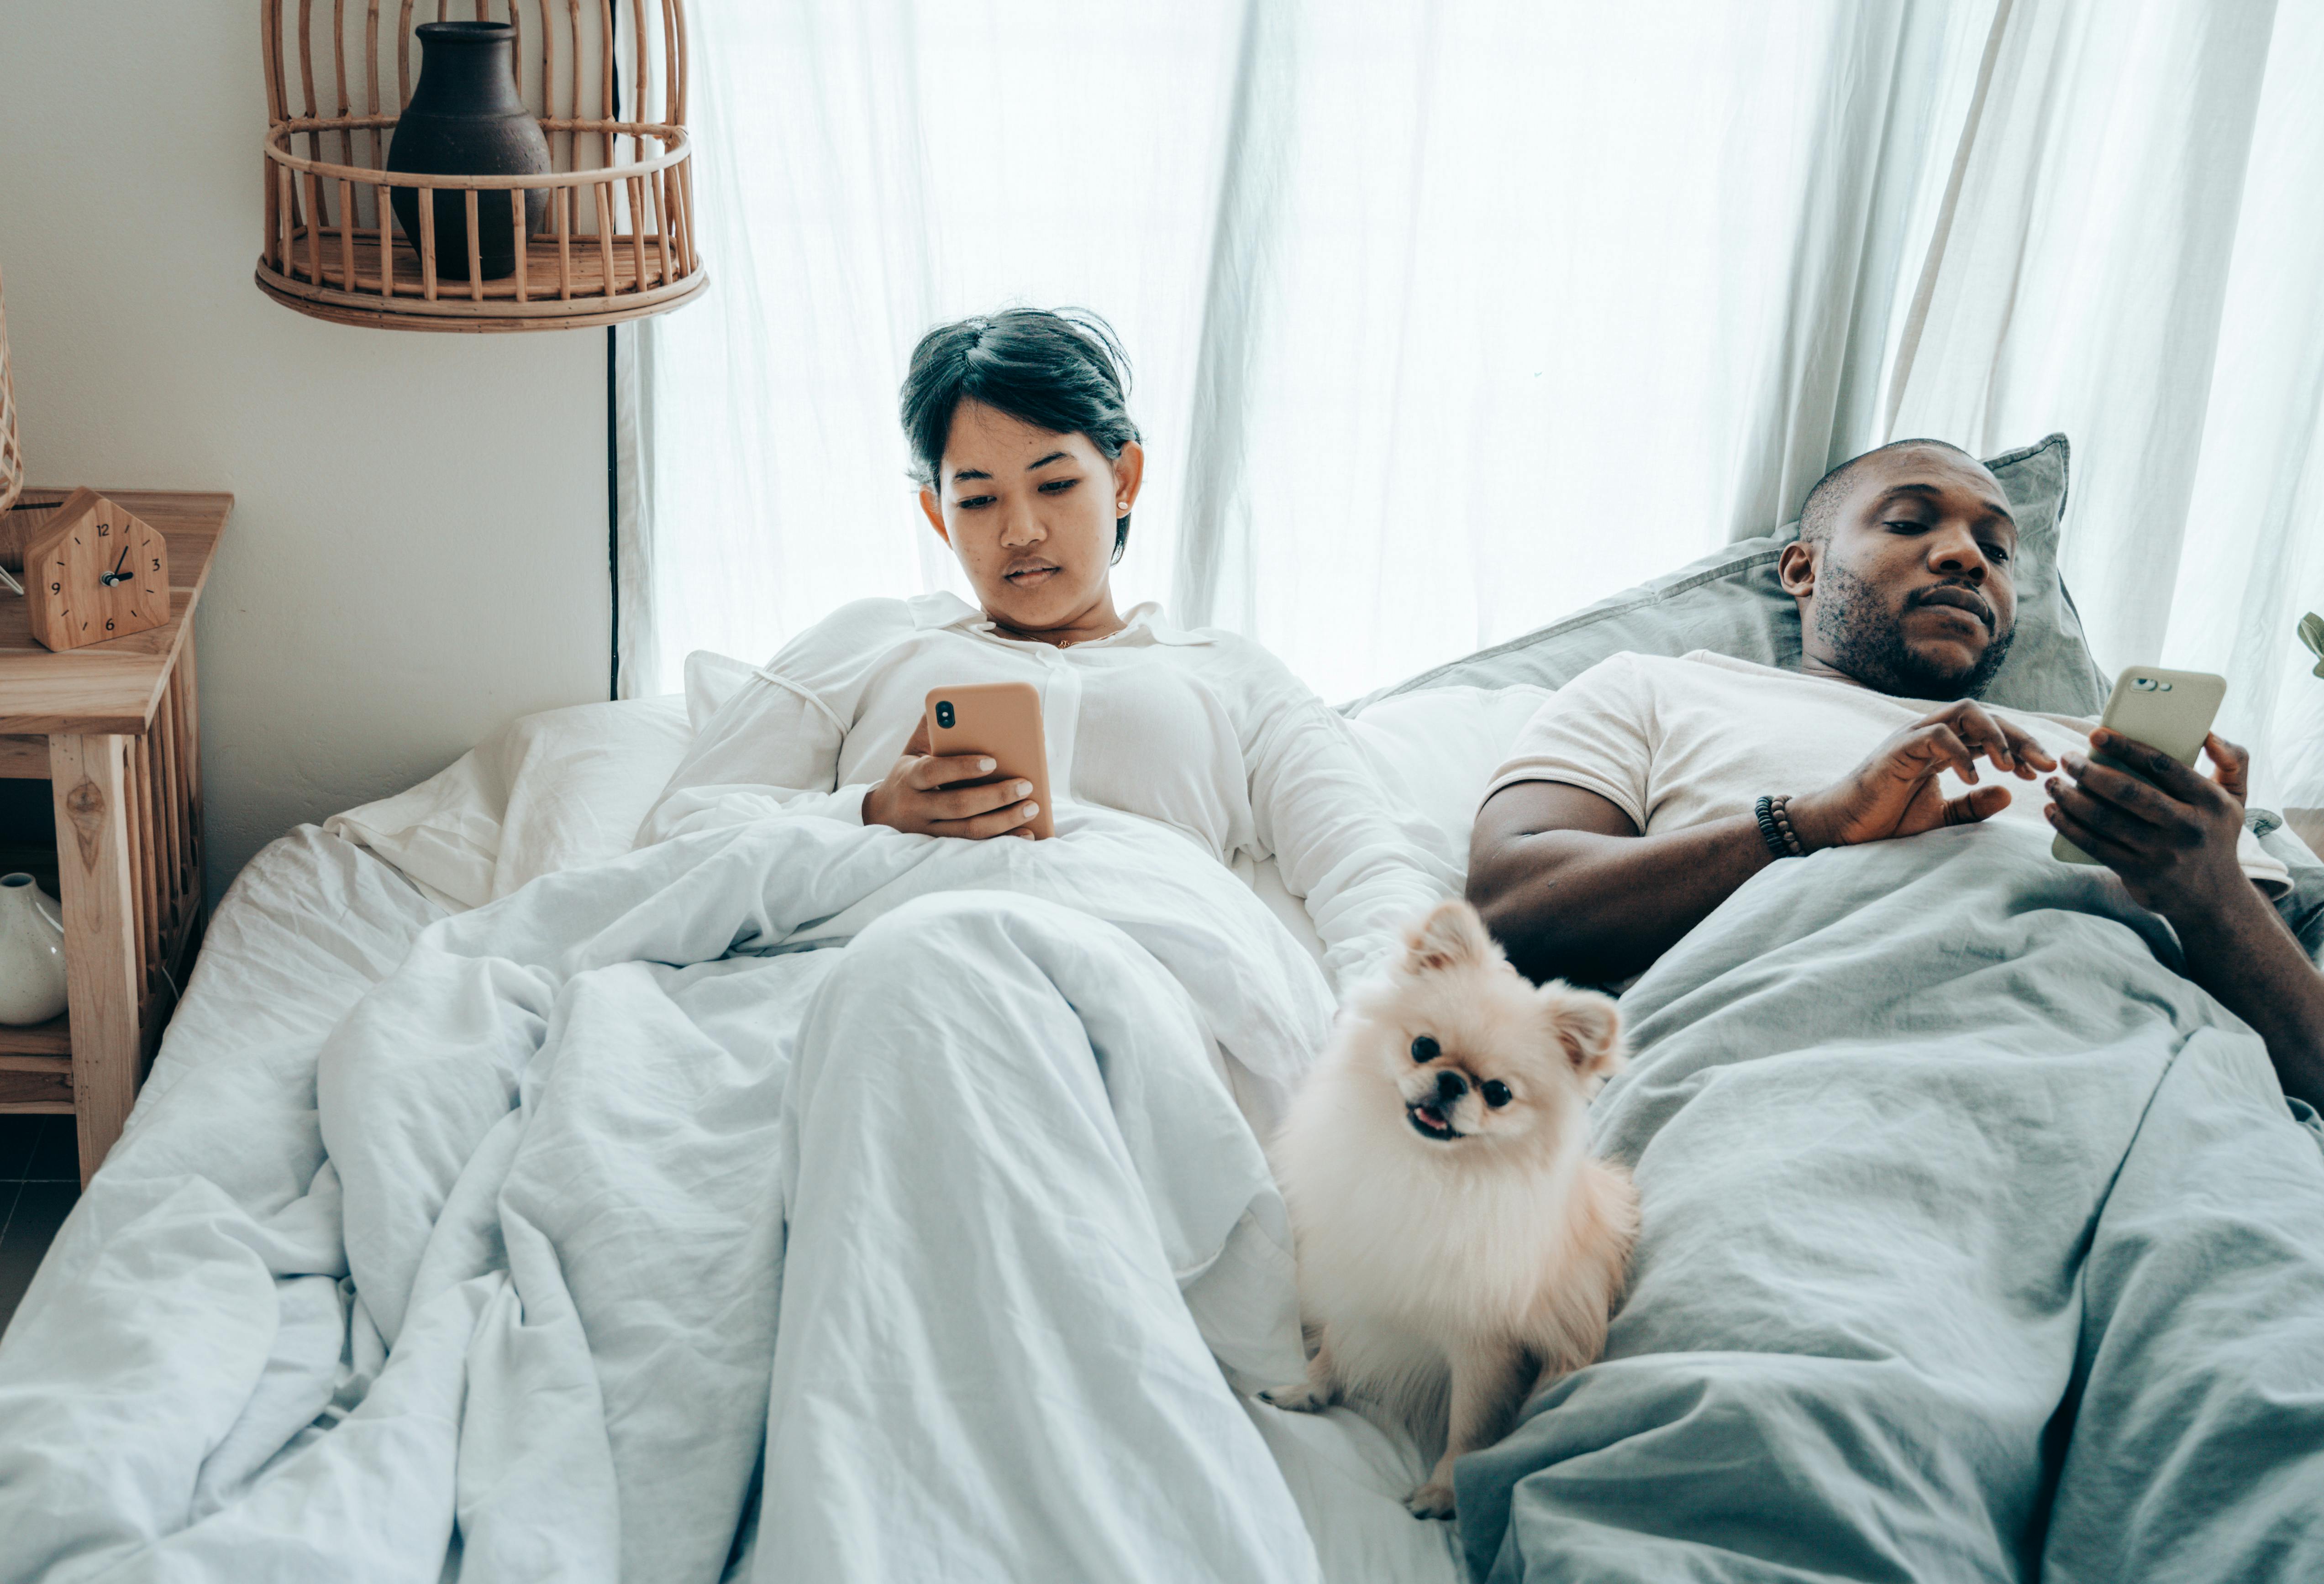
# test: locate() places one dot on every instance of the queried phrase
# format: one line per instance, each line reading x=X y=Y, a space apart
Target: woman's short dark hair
x=1063 y=371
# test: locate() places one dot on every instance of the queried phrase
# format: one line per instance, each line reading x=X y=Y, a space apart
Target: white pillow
x=548 y=792
x=710 y=679
x=1440 y=746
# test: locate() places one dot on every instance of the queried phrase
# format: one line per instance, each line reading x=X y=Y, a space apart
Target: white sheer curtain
x=869 y=168
x=1548 y=298
x=2138 y=258
x=1451 y=314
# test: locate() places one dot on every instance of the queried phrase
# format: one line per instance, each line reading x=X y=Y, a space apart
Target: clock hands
x=117 y=574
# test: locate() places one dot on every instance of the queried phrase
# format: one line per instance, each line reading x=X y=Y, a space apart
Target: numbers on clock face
x=111 y=577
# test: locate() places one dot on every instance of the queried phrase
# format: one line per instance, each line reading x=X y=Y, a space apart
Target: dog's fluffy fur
x=1454 y=1254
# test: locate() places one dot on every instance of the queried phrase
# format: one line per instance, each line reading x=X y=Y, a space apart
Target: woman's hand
x=921 y=794
x=1896 y=792
x=2171 y=836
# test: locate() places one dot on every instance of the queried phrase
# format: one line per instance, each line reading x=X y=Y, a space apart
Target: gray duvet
x=1978 y=1245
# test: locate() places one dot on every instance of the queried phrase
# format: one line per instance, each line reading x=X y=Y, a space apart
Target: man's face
x=1912 y=594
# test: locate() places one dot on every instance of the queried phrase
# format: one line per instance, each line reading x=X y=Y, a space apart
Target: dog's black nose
x=1450 y=1086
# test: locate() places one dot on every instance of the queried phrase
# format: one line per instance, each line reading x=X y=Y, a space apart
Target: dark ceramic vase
x=465 y=119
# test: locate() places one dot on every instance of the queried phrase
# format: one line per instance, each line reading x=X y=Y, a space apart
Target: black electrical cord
x=612 y=522
x=612 y=453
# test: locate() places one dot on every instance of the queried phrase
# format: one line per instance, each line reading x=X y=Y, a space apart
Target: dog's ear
x=1588 y=1025
x=1450 y=935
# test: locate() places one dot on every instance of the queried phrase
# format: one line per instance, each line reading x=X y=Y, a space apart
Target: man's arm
x=2247 y=959
x=1572 y=890
x=2174 y=843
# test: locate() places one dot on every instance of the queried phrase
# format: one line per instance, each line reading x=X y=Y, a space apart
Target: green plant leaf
x=2311 y=634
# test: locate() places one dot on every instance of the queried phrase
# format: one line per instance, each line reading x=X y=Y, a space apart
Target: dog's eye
x=1424 y=1049
x=1496 y=1093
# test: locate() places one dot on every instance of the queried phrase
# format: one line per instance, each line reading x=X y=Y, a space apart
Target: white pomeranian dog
x=1457 y=1245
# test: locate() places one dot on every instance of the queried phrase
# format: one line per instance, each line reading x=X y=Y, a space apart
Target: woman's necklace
x=1070 y=642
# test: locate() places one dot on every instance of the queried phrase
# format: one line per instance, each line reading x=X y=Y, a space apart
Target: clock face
x=107 y=576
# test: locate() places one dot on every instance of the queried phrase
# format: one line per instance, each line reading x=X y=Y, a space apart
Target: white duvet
x=510 y=1245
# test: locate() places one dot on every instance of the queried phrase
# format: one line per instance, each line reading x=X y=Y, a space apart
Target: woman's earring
x=1121 y=508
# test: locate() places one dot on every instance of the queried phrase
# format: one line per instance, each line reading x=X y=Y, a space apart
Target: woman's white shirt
x=1203 y=731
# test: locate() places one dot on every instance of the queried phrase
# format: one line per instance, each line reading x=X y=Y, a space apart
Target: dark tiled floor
x=40 y=1178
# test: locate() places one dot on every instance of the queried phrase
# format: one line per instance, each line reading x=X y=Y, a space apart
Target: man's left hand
x=2171 y=835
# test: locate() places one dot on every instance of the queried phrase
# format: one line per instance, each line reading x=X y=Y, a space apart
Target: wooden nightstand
x=115 y=730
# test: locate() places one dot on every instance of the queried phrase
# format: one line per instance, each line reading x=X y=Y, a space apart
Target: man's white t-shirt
x=1674 y=742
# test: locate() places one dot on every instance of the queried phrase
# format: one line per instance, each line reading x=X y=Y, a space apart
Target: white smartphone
x=2168 y=711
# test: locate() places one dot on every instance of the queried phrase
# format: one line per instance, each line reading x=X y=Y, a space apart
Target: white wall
x=417 y=547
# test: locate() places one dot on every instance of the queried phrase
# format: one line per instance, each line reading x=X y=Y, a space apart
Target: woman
x=1029 y=466
x=1060 y=1255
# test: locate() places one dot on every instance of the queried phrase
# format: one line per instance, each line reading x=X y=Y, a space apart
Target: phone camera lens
x=2143 y=684
x=944 y=713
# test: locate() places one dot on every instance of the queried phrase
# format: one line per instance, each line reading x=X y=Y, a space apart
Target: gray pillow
x=1731 y=603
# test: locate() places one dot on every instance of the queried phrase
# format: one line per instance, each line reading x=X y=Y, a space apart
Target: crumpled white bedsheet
x=568 y=1227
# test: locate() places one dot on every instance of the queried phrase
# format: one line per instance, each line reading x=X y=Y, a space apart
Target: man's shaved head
x=1816 y=513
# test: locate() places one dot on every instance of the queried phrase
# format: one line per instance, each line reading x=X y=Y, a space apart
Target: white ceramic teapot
x=31 y=952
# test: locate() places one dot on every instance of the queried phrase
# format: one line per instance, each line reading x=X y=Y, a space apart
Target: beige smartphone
x=2170 y=711
x=1002 y=720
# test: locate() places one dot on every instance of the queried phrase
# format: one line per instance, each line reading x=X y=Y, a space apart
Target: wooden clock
x=95 y=571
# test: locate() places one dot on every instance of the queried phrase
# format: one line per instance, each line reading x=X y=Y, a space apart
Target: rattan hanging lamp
x=616 y=239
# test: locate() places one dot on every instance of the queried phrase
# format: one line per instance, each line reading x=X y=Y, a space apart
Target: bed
x=312 y=925
x=184 y=1392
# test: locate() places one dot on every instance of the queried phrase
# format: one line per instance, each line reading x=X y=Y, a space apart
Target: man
x=1630 y=807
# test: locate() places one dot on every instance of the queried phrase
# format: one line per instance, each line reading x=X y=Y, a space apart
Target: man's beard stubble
x=1867 y=643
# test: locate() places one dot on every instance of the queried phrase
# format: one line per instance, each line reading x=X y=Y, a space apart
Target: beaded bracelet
x=1775 y=828
x=1781 y=808
x=1768 y=831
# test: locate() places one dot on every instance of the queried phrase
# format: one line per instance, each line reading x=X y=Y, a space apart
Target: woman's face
x=1030 y=515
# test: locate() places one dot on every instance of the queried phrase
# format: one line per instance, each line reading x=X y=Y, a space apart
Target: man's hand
x=1896 y=791
x=920 y=795
x=2172 y=841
